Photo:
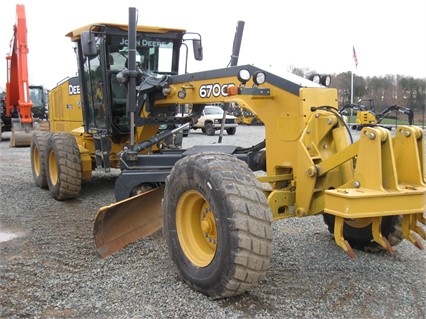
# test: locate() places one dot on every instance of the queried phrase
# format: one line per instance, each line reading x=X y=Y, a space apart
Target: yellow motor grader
x=366 y=116
x=244 y=116
x=215 y=212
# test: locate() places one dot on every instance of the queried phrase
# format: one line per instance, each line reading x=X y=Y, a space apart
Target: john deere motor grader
x=215 y=212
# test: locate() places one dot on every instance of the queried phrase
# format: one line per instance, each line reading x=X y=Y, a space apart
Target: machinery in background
x=17 y=110
x=39 y=98
x=244 y=116
x=366 y=116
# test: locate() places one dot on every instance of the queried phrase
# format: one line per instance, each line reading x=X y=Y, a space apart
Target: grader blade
x=122 y=223
x=21 y=134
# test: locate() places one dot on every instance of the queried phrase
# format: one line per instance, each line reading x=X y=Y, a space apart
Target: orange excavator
x=17 y=114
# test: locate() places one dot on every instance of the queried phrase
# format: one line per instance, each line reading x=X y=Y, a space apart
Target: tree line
x=382 y=91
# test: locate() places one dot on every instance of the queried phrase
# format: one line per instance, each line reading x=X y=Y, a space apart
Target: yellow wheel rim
x=53 y=168
x=196 y=228
x=36 y=161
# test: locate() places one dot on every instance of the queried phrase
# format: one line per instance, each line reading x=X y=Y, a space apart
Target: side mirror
x=198 y=49
x=88 y=44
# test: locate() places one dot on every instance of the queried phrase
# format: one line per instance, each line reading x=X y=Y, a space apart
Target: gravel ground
x=50 y=269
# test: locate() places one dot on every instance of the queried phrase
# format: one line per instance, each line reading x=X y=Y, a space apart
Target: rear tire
x=217 y=224
x=38 y=157
x=63 y=166
x=231 y=131
x=362 y=238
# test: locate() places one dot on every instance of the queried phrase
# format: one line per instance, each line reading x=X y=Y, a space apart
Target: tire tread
x=250 y=218
x=69 y=165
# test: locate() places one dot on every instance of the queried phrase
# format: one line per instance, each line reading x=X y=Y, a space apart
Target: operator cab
x=103 y=53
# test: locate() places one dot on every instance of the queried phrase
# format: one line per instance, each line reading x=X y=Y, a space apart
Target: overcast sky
x=389 y=36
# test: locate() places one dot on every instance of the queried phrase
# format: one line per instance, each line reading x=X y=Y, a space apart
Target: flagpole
x=352 y=87
x=354 y=56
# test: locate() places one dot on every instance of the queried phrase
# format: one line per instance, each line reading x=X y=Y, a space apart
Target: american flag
x=355 y=57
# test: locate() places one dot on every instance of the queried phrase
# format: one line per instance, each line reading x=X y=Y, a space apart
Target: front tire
x=38 y=157
x=209 y=129
x=63 y=168
x=217 y=224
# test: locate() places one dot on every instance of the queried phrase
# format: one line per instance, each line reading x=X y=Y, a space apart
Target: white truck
x=211 y=121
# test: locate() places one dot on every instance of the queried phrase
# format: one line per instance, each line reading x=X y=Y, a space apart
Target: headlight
x=243 y=76
x=321 y=79
x=325 y=80
x=259 y=77
x=315 y=78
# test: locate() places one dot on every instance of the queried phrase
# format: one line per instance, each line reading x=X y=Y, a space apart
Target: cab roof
x=75 y=34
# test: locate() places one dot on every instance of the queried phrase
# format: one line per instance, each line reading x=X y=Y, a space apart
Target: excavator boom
x=18 y=102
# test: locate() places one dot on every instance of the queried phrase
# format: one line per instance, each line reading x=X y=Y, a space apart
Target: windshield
x=153 y=55
x=36 y=96
x=213 y=111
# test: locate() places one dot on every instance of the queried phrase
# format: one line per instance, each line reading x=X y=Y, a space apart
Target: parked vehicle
x=211 y=121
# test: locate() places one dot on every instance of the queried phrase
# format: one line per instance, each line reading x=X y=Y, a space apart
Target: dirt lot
x=49 y=269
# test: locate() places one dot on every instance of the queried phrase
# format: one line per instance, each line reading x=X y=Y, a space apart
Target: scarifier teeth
x=410 y=227
x=421 y=218
x=377 y=235
x=339 y=239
